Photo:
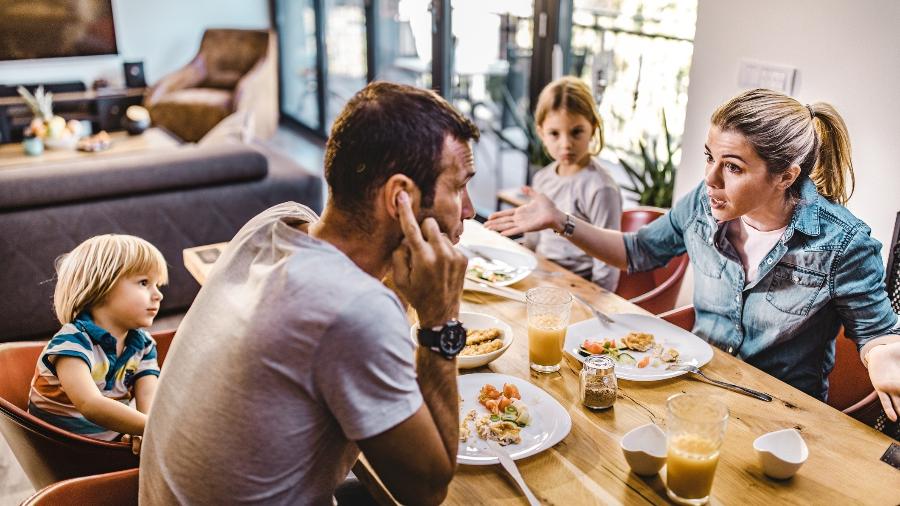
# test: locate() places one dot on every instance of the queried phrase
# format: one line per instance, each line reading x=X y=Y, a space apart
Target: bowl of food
x=487 y=338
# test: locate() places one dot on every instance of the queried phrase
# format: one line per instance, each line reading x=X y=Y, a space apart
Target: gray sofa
x=176 y=199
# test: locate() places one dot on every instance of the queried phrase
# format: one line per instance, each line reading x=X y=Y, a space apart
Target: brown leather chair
x=118 y=488
x=656 y=290
x=233 y=73
x=47 y=453
x=850 y=389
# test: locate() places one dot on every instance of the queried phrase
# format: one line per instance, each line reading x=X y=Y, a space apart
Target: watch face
x=453 y=339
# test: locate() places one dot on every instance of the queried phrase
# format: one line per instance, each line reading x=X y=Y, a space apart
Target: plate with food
x=642 y=346
x=487 y=337
x=497 y=266
x=519 y=416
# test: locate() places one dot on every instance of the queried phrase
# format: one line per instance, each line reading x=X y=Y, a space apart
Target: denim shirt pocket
x=702 y=251
x=794 y=289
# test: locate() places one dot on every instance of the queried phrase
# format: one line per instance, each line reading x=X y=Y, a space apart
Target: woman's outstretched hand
x=540 y=213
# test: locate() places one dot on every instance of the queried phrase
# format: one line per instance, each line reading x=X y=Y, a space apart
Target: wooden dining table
x=588 y=466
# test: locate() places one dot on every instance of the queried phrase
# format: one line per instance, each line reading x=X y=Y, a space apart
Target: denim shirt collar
x=806 y=214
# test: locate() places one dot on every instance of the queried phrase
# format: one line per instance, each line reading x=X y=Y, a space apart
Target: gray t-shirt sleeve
x=365 y=369
x=605 y=209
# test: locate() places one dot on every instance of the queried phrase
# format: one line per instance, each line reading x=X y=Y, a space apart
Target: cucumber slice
x=626 y=359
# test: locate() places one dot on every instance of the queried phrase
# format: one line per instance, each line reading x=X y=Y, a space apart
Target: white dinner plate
x=691 y=349
x=475 y=321
x=549 y=425
x=524 y=263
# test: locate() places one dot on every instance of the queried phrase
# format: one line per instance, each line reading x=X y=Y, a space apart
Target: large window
x=345 y=43
x=297 y=55
x=636 y=55
x=491 y=58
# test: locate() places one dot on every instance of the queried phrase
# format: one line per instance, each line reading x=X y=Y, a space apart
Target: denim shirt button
x=737 y=298
x=769 y=261
x=796 y=279
x=710 y=240
x=730 y=349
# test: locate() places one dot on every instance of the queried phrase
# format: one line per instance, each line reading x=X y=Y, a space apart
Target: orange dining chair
x=47 y=453
x=656 y=290
x=850 y=389
x=119 y=488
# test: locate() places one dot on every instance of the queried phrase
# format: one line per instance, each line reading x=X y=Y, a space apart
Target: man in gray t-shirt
x=295 y=356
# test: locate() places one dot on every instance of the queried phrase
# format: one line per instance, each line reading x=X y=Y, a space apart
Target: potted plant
x=652 y=177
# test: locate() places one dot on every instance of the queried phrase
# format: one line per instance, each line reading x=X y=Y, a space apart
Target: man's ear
x=392 y=188
x=787 y=178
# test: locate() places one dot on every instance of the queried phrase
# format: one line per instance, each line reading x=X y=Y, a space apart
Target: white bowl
x=61 y=143
x=781 y=453
x=645 y=449
x=472 y=321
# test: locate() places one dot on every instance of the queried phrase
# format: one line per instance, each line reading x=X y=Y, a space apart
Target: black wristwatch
x=447 y=340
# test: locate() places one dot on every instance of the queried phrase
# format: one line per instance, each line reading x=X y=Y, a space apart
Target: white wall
x=847 y=52
x=164 y=34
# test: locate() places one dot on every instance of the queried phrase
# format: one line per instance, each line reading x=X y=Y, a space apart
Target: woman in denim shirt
x=780 y=264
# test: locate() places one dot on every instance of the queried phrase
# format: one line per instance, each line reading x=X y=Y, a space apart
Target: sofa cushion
x=108 y=177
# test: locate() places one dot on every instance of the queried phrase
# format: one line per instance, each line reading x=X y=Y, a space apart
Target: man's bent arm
x=416 y=459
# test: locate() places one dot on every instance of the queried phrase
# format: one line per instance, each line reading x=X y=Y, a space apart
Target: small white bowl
x=472 y=321
x=645 y=449
x=781 y=453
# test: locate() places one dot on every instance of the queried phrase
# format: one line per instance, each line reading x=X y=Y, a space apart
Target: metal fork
x=600 y=315
x=731 y=386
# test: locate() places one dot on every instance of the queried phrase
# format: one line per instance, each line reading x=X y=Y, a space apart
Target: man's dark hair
x=388 y=129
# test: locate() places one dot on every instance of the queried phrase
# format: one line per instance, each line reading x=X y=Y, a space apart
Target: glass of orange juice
x=548 y=317
x=696 y=426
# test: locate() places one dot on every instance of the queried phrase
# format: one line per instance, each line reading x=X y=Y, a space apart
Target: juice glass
x=548 y=317
x=696 y=426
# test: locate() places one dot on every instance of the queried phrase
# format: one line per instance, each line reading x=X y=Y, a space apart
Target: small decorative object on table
x=33 y=146
x=94 y=143
x=598 y=382
x=53 y=130
x=136 y=120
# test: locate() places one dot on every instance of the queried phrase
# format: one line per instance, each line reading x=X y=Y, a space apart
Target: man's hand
x=884 y=371
x=538 y=214
x=428 y=271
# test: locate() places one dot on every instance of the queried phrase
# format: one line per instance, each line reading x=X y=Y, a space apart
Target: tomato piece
x=511 y=391
x=644 y=361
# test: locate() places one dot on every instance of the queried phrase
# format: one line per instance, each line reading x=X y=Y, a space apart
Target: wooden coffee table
x=13 y=155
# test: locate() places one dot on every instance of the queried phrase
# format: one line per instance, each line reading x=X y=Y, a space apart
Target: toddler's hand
x=135 y=442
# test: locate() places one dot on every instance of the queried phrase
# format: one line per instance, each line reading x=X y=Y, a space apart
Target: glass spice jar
x=598 y=382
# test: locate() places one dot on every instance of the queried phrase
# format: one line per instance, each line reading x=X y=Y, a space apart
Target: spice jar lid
x=600 y=364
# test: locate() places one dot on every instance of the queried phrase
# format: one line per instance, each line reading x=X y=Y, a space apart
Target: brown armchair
x=233 y=74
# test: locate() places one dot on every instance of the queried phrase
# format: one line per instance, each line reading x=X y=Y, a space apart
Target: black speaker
x=134 y=74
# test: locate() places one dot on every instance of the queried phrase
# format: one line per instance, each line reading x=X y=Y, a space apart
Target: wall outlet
x=753 y=74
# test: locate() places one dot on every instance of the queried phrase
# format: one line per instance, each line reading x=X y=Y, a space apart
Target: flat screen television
x=56 y=28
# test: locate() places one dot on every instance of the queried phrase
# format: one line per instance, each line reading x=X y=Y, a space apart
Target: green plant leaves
x=652 y=178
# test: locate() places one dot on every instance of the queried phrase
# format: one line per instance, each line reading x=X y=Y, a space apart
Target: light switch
x=753 y=74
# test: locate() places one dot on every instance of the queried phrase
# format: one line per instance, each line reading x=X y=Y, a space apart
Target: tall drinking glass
x=549 y=309
x=696 y=426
